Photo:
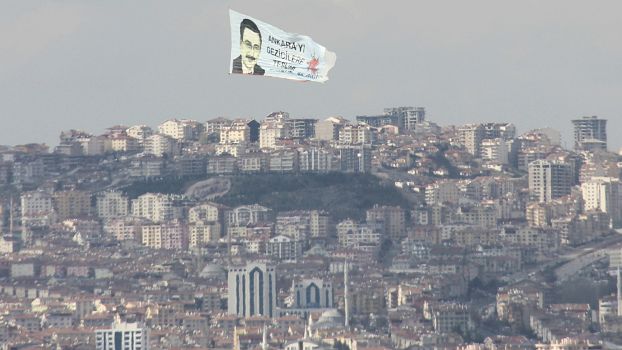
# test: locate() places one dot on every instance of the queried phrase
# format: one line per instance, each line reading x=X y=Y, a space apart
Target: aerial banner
x=259 y=48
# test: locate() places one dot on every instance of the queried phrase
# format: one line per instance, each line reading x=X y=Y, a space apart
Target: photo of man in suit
x=250 y=48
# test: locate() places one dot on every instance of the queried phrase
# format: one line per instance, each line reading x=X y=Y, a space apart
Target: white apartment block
x=124 y=144
x=391 y=219
x=237 y=132
x=356 y=134
x=284 y=248
x=615 y=257
x=328 y=129
x=482 y=216
x=449 y=317
x=234 y=149
x=354 y=158
x=607 y=307
x=36 y=203
x=112 y=204
x=169 y=235
x=297 y=231
x=604 y=194
x=151 y=236
x=315 y=159
x=37 y=209
x=180 y=130
x=283 y=161
x=204 y=213
x=270 y=132
x=589 y=129
x=95 y=145
x=351 y=234
x=214 y=126
x=160 y=144
x=495 y=151
x=25 y=172
x=301 y=225
x=301 y=128
x=538 y=214
x=442 y=192
x=505 y=131
x=122 y=336
x=123 y=229
x=470 y=136
x=253 y=163
x=549 y=180
x=139 y=132
x=319 y=223
x=238 y=231
x=156 y=207
x=542 y=240
x=200 y=233
x=414 y=118
x=254 y=245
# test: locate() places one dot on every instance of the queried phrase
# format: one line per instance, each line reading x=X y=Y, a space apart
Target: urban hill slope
x=343 y=195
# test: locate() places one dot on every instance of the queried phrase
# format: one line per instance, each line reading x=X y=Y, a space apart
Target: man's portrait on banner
x=250 y=48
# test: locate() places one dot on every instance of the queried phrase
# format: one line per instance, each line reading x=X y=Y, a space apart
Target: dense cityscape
x=387 y=231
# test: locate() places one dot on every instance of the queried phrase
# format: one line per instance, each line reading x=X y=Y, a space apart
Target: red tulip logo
x=313 y=63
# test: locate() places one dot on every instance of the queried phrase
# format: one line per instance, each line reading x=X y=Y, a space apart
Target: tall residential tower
x=590 y=133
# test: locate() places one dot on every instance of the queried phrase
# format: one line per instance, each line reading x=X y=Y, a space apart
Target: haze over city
x=404 y=175
x=90 y=65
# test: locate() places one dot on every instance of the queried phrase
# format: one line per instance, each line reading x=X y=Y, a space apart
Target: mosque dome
x=212 y=271
x=329 y=319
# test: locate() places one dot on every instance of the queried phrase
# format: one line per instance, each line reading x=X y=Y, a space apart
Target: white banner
x=259 y=48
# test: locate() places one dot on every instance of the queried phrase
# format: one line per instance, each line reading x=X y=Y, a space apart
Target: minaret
x=11 y=216
x=229 y=247
x=619 y=296
x=264 y=342
x=345 y=293
x=236 y=339
x=308 y=322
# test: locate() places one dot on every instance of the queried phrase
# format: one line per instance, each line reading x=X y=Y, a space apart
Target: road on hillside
x=585 y=256
x=209 y=189
x=569 y=261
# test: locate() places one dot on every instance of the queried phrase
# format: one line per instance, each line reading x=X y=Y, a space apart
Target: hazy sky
x=91 y=64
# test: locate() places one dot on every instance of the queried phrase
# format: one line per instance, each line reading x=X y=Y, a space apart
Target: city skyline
x=90 y=66
x=293 y=232
x=457 y=184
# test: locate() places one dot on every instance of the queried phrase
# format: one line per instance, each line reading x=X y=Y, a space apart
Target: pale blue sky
x=91 y=64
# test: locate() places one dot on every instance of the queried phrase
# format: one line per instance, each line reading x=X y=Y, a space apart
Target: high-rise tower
x=549 y=180
x=122 y=336
x=346 y=292
x=252 y=290
x=590 y=133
